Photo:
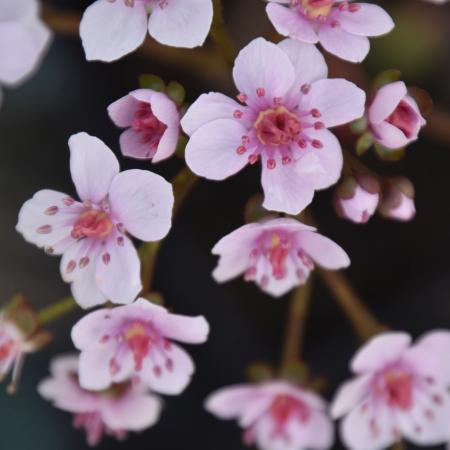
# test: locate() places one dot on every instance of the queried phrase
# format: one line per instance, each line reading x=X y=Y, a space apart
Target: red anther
x=238 y=114
x=45 y=229
x=241 y=150
x=271 y=164
x=319 y=125
x=260 y=92
x=68 y=201
x=106 y=258
x=242 y=97
x=354 y=8
x=120 y=241
x=277 y=101
x=252 y=159
x=245 y=140
x=71 y=266
x=305 y=88
x=286 y=160
x=84 y=261
x=302 y=143
x=316 y=143
x=316 y=113
x=334 y=23
x=51 y=211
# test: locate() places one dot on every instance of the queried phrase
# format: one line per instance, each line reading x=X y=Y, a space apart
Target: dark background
x=402 y=270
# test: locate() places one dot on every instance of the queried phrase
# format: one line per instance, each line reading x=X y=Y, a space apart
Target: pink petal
x=291 y=23
x=92 y=165
x=85 y=289
x=389 y=136
x=122 y=111
x=110 y=30
x=344 y=45
x=287 y=223
x=15 y=9
x=263 y=65
x=119 y=277
x=380 y=351
x=278 y=287
x=339 y=101
x=207 y=108
x=181 y=23
x=350 y=395
x=211 y=151
x=94 y=369
x=133 y=146
x=168 y=381
x=323 y=251
x=367 y=20
x=167 y=144
x=191 y=330
x=386 y=101
x=142 y=201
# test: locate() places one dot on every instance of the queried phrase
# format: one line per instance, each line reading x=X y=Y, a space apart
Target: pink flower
x=111 y=29
x=357 y=199
x=340 y=26
x=98 y=257
x=122 y=408
x=398 y=200
x=152 y=121
x=135 y=340
x=277 y=254
x=23 y=40
x=394 y=117
x=287 y=106
x=275 y=415
x=399 y=390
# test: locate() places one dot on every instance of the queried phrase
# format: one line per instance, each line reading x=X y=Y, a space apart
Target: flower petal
x=143 y=202
x=367 y=20
x=191 y=330
x=110 y=30
x=92 y=165
x=389 y=136
x=85 y=289
x=181 y=23
x=122 y=110
x=386 y=101
x=349 y=395
x=133 y=146
x=211 y=151
x=94 y=369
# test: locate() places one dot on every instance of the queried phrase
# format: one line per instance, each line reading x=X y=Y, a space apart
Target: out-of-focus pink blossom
x=276 y=415
x=152 y=121
x=398 y=200
x=111 y=29
x=400 y=390
x=394 y=117
x=136 y=340
x=357 y=199
x=114 y=412
x=287 y=104
x=98 y=257
x=340 y=26
x=23 y=40
x=277 y=254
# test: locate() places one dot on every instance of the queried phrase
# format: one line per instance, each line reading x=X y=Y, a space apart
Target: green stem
x=220 y=34
x=56 y=310
x=182 y=184
x=295 y=327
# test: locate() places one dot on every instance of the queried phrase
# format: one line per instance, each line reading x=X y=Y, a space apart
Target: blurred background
x=401 y=270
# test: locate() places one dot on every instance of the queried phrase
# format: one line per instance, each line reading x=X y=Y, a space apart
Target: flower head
x=398 y=200
x=111 y=29
x=400 y=390
x=394 y=117
x=276 y=415
x=287 y=106
x=116 y=411
x=135 y=340
x=23 y=40
x=277 y=254
x=152 y=123
x=340 y=26
x=98 y=257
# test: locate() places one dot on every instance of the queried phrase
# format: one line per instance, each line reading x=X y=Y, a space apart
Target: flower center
x=5 y=349
x=149 y=125
x=277 y=253
x=285 y=408
x=277 y=127
x=92 y=223
x=139 y=342
x=316 y=8
x=398 y=388
x=404 y=118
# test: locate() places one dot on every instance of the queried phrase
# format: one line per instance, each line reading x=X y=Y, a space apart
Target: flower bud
x=356 y=198
x=398 y=200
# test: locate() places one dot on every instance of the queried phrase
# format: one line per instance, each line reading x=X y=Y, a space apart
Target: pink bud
x=398 y=201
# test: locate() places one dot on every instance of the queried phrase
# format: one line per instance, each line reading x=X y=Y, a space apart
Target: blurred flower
x=111 y=29
x=394 y=117
x=341 y=27
x=399 y=391
x=276 y=415
x=398 y=199
x=356 y=199
x=287 y=106
x=122 y=408
x=152 y=121
x=99 y=258
x=20 y=333
x=133 y=340
x=277 y=254
x=23 y=40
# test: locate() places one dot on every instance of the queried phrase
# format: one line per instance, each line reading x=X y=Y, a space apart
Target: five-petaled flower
x=276 y=415
x=399 y=391
x=286 y=107
x=136 y=340
x=98 y=257
x=111 y=29
x=122 y=408
x=394 y=117
x=23 y=40
x=341 y=26
x=152 y=121
x=277 y=254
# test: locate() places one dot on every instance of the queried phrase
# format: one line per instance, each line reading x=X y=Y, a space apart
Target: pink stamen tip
x=277 y=101
x=68 y=201
x=120 y=241
x=253 y=159
x=157 y=371
x=260 y=92
x=238 y=114
x=354 y=8
x=51 y=211
x=302 y=143
x=106 y=258
x=83 y=262
x=271 y=164
x=169 y=365
x=242 y=97
x=113 y=366
x=241 y=150
x=245 y=140
x=317 y=144
x=104 y=339
x=286 y=160
x=305 y=89
x=335 y=23
x=71 y=266
x=319 y=125
x=315 y=113
x=45 y=229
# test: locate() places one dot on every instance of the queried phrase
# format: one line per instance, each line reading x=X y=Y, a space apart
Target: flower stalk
x=56 y=310
x=220 y=34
